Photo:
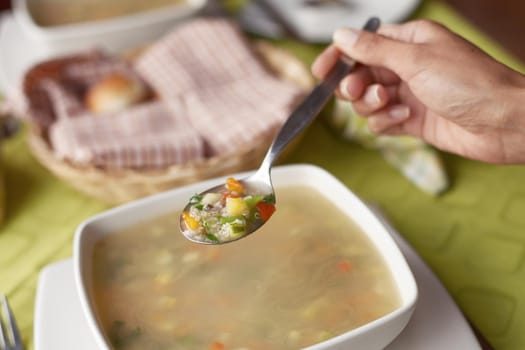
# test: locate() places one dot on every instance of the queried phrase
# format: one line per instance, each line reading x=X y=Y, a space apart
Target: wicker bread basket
x=115 y=186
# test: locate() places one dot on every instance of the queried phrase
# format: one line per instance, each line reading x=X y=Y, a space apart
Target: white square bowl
x=114 y=35
x=374 y=335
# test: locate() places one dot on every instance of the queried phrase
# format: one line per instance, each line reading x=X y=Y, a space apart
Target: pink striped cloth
x=199 y=54
x=90 y=72
x=214 y=98
x=151 y=135
x=64 y=102
x=62 y=95
x=232 y=98
x=38 y=101
x=240 y=113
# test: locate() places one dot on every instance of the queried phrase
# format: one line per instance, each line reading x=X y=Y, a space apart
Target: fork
x=9 y=335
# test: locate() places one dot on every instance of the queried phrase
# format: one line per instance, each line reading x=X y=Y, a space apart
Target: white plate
x=316 y=24
x=436 y=323
x=23 y=43
x=17 y=53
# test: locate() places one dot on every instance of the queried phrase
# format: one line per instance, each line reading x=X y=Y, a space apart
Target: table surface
x=471 y=236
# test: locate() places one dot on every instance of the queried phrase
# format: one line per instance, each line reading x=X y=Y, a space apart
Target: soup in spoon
x=226 y=214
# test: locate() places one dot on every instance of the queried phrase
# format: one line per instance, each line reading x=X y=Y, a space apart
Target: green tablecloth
x=472 y=236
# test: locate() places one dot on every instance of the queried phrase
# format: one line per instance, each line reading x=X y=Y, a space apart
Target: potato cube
x=236 y=207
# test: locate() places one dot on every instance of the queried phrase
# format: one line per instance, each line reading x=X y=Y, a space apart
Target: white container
x=316 y=24
x=374 y=335
x=113 y=35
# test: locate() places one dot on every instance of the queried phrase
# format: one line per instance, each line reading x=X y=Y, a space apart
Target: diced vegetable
x=237 y=228
x=234 y=185
x=211 y=198
x=196 y=198
x=270 y=198
x=265 y=210
x=229 y=219
x=236 y=207
x=121 y=335
x=212 y=237
x=344 y=266
x=252 y=201
x=227 y=214
x=190 y=221
x=217 y=346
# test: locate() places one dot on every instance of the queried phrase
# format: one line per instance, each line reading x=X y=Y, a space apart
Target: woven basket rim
x=45 y=153
x=86 y=177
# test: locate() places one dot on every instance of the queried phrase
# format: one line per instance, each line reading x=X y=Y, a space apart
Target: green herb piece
x=252 y=201
x=212 y=237
x=236 y=229
x=120 y=336
x=196 y=198
x=229 y=219
x=199 y=206
x=270 y=198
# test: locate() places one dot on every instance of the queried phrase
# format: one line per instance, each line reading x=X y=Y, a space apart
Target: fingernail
x=345 y=91
x=346 y=36
x=399 y=112
x=314 y=65
x=371 y=97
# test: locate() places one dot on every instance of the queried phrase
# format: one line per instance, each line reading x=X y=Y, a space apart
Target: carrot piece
x=234 y=185
x=344 y=266
x=226 y=195
x=265 y=210
x=190 y=221
x=217 y=346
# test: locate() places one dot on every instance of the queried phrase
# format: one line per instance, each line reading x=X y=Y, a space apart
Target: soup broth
x=308 y=275
x=59 y=12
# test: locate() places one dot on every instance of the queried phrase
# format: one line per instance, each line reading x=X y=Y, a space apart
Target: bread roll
x=115 y=93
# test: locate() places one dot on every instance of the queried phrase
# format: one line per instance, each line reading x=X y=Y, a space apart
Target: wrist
x=512 y=124
x=513 y=112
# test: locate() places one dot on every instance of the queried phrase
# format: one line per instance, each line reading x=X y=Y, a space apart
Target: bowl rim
x=407 y=290
x=97 y=27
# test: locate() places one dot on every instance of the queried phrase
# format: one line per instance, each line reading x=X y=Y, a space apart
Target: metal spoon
x=260 y=182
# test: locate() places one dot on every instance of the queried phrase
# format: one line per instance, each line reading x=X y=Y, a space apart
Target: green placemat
x=472 y=236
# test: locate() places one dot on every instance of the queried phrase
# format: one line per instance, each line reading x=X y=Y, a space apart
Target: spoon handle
x=303 y=115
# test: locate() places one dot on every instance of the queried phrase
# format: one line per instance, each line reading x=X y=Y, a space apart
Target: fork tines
x=9 y=335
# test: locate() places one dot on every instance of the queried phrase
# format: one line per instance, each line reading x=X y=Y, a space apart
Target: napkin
x=417 y=161
x=150 y=135
x=232 y=99
x=204 y=53
x=213 y=97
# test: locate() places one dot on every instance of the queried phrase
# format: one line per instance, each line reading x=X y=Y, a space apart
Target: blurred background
x=481 y=214
x=502 y=20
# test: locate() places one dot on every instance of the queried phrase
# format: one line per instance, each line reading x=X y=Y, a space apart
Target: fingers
x=353 y=86
x=374 y=98
x=377 y=50
x=377 y=103
x=417 y=32
x=388 y=119
x=380 y=105
x=325 y=61
x=389 y=55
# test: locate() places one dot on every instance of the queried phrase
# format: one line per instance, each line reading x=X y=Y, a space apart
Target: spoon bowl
x=198 y=226
x=258 y=183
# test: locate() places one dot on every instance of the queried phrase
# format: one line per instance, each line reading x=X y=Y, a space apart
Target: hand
x=421 y=79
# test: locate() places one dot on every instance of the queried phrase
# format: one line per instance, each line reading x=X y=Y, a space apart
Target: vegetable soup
x=58 y=12
x=228 y=214
x=308 y=275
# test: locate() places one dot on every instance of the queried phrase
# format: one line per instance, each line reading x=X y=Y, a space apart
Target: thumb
x=377 y=50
